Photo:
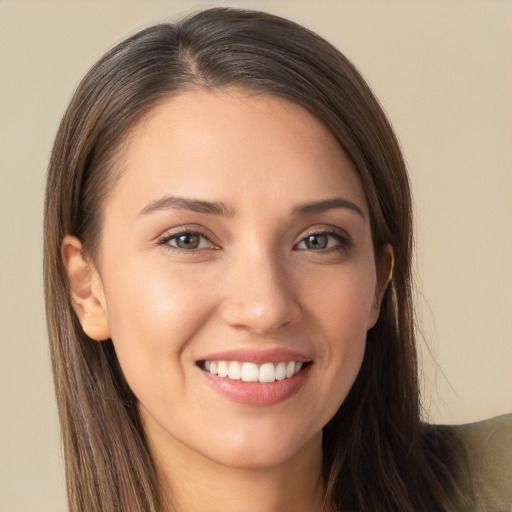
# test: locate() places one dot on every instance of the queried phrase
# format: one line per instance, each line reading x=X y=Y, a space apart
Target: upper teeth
x=252 y=372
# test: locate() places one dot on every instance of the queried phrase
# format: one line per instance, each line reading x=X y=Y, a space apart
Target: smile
x=252 y=372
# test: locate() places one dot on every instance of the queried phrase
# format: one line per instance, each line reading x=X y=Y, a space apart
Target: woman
x=227 y=268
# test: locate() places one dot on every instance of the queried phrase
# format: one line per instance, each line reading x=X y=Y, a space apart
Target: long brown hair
x=378 y=456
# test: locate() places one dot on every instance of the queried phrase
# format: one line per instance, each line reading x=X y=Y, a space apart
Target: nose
x=260 y=295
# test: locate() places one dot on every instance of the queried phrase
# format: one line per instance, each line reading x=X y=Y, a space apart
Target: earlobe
x=384 y=278
x=85 y=290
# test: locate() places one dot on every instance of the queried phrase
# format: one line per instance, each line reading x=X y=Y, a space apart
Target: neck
x=192 y=482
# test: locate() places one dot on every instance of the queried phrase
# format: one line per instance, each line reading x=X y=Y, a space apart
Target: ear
x=86 y=290
x=384 y=276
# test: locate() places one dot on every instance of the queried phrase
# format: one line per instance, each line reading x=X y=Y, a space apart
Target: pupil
x=317 y=242
x=188 y=241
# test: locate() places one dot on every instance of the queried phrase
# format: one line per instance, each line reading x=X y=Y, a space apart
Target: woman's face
x=238 y=278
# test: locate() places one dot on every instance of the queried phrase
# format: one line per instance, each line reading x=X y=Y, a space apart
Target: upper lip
x=251 y=355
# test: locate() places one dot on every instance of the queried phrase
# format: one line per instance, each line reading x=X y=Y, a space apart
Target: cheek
x=342 y=311
x=343 y=300
x=142 y=295
x=153 y=313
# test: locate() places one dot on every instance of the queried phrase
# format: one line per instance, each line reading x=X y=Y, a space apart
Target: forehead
x=233 y=146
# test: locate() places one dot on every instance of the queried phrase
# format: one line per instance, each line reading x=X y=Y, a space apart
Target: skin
x=255 y=281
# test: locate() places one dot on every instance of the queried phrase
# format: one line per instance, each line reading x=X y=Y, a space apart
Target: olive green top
x=488 y=447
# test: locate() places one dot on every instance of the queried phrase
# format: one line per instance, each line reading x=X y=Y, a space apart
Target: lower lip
x=256 y=393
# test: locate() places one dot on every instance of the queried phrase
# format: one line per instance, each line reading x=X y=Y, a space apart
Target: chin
x=257 y=450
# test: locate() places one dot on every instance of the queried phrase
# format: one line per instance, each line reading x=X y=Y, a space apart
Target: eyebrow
x=183 y=203
x=327 y=204
x=221 y=209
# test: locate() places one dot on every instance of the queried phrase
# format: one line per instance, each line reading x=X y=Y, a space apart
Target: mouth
x=245 y=371
x=256 y=377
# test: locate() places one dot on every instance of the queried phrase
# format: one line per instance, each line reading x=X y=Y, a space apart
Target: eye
x=187 y=241
x=323 y=241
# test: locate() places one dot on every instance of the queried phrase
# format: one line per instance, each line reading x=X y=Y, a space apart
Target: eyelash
x=343 y=242
x=173 y=236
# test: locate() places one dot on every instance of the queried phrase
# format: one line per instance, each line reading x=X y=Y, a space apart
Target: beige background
x=443 y=71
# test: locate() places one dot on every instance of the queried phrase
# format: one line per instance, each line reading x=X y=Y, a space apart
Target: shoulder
x=487 y=447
